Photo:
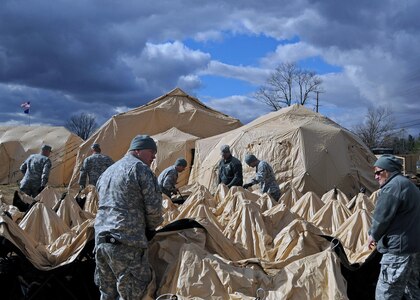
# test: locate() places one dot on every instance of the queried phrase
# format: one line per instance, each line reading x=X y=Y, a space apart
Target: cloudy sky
x=105 y=57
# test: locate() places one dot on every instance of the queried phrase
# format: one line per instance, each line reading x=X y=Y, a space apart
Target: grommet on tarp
x=260 y=294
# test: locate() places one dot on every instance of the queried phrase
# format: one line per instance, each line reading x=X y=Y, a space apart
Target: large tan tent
x=18 y=142
x=175 y=109
x=306 y=150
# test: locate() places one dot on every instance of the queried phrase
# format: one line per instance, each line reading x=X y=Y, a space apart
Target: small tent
x=18 y=142
x=171 y=145
x=306 y=150
x=175 y=109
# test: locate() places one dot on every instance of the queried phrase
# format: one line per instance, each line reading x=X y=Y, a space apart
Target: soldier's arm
x=261 y=172
x=152 y=200
x=385 y=211
x=219 y=170
x=83 y=174
x=45 y=173
x=169 y=182
x=24 y=167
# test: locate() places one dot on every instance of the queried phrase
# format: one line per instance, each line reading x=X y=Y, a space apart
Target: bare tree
x=308 y=82
x=378 y=128
x=82 y=125
x=288 y=84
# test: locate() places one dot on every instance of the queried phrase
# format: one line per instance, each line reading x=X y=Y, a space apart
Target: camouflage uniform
x=267 y=180
x=130 y=203
x=230 y=172
x=396 y=228
x=36 y=170
x=167 y=180
x=93 y=166
x=399 y=275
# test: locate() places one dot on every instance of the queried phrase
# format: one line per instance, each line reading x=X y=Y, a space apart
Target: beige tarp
x=246 y=244
x=48 y=238
x=306 y=150
x=307 y=206
x=18 y=142
x=175 y=109
x=173 y=144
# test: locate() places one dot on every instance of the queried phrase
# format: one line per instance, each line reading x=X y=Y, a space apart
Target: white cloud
x=290 y=53
x=243 y=108
x=253 y=75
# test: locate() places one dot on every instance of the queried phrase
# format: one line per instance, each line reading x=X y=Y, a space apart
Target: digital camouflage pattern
x=36 y=169
x=130 y=202
x=230 y=172
x=131 y=266
x=93 y=166
x=399 y=275
x=266 y=178
x=167 y=180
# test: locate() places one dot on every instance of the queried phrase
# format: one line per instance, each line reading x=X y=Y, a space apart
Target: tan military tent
x=175 y=109
x=306 y=150
x=18 y=142
x=173 y=144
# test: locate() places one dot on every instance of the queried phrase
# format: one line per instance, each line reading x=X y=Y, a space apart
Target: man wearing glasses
x=395 y=231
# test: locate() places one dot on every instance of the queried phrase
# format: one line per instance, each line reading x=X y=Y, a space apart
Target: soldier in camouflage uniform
x=93 y=166
x=264 y=176
x=167 y=179
x=36 y=169
x=230 y=169
x=130 y=203
x=395 y=231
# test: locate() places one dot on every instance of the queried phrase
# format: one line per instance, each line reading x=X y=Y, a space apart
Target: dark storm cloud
x=62 y=46
x=105 y=56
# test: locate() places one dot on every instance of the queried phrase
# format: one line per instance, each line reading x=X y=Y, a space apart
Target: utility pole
x=317 y=100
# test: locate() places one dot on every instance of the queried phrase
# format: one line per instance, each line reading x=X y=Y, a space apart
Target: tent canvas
x=18 y=142
x=171 y=145
x=306 y=150
x=175 y=109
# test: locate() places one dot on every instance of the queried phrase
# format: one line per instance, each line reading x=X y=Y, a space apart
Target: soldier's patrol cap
x=96 y=146
x=180 y=162
x=141 y=142
x=250 y=158
x=225 y=149
x=46 y=148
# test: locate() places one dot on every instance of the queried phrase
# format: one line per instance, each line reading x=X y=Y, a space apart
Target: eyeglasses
x=377 y=173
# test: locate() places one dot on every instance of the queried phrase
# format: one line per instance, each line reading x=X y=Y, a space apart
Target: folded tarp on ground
x=238 y=242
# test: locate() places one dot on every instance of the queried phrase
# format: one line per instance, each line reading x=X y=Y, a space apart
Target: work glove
x=247 y=185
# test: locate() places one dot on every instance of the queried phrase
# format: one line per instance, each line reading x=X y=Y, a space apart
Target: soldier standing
x=230 y=168
x=168 y=178
x=36 y=169
x=395 y=231
x=130 y=203
x=93 y=166
x=264 y=175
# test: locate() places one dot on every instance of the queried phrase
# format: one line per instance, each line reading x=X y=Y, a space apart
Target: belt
x=108 y=239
